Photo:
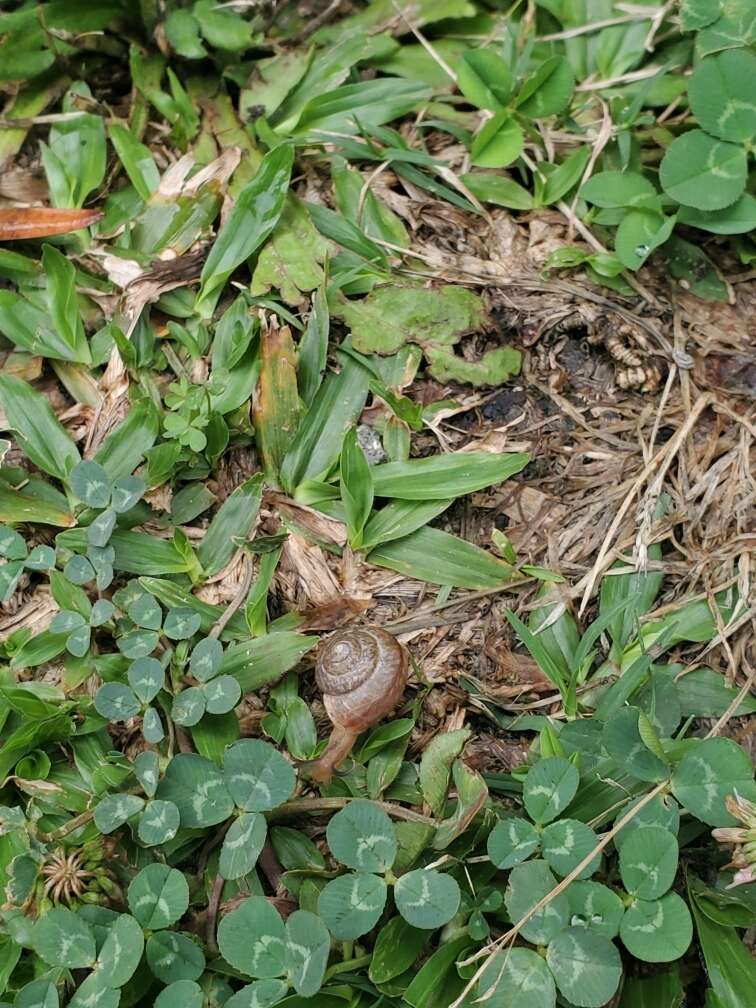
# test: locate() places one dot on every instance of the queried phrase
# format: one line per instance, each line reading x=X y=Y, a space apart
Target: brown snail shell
x=362 y=673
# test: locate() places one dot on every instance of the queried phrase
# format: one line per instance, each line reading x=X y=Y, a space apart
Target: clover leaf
x=158 y=896
x=62 y=938
x=174 y=956
x=518 y=975
x=361 y=836
x=257 y=776
x=658 y=930
x=586 y=966
x=549 y=787
x=19 y=558
x=351 y=904
x=426 y=898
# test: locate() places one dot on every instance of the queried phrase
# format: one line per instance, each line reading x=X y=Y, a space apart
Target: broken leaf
x=493 y=368
x=391 y=316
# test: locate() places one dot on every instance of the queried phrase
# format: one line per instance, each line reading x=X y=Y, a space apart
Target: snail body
x=362 y=673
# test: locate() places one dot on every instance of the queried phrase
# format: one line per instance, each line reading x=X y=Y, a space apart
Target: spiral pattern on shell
x=361 y=672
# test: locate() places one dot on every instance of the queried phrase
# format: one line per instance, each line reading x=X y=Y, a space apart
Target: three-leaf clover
x=93 y=487
x=110 y=944
x=158 y=897
x=216 y=694
x=18 y=558
x=157 y=821
x=147 y=621
x=255 y=779
x=189 y=414
x=96 y=565
x=476 y=905
x=78 y=628
x=118 y=702
x=549 y=787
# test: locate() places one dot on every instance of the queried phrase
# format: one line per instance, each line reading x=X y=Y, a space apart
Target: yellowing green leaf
x=291 y=260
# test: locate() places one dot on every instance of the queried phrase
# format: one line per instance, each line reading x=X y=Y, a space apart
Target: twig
x=425 y=43
x=656 y=23
x=317 y=22
x=405 y=624
x=27 y=122
x=736 y=702
x=730 y=629
x=603 y=137
x=182 y=740
x=594 y=26
x=236 y=601
x=270 y=866
x=366 y=187
x=628 y=78
x=212 y=912
x=662 y=459
x=305 y=805
x=721 y=407
x=648 y=451
x=648 y=507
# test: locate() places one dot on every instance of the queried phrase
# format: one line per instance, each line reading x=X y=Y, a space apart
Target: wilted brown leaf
x=331 y=615
x=41 y=222
x=277 y=405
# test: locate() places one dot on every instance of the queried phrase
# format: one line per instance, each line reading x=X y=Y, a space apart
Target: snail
x=362 y=673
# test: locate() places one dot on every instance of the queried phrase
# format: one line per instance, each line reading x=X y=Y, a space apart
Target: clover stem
x=347 y=966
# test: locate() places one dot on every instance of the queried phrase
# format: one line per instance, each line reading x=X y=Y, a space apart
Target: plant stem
x=66 y=828
x=347 y=966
